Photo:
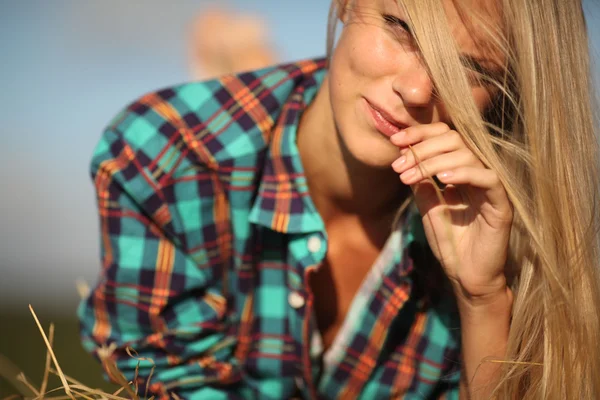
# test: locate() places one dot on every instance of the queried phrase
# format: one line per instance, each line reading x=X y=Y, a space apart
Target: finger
x=482 y=178
x=442 y=163
x=444 y=143
x=415 y=134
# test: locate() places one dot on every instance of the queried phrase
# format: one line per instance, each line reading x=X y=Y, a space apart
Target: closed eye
x=474 y=65
x=395 y=21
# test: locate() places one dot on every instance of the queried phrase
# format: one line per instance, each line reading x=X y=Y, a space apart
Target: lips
x=383 y=121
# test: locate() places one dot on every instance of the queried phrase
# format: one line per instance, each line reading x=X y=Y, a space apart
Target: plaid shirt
x=209 y=236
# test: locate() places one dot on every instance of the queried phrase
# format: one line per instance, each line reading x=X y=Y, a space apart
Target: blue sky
x=67 y=67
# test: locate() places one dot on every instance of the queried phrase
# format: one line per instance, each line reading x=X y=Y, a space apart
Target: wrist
x=480 y=291
x=495 y=303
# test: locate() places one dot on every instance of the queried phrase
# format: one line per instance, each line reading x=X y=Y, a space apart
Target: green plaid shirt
x=209 y=236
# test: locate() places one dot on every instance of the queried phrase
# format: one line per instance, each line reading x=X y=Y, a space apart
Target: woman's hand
x=469 y=235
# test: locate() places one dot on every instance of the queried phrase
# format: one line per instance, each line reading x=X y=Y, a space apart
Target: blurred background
x=67 y=67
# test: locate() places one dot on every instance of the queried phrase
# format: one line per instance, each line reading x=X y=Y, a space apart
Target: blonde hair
x=541 y=139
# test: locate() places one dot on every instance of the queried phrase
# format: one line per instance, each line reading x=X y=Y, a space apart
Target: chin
x=370 y=148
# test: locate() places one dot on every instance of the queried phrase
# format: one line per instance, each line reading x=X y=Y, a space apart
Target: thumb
x=425 y=196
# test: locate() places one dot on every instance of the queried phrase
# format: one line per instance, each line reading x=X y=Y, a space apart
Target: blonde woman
x=253 y=245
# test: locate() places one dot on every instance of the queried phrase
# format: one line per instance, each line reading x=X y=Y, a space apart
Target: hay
x=70 y=388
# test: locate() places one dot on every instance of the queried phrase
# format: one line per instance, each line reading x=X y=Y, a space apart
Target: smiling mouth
x=382 y=121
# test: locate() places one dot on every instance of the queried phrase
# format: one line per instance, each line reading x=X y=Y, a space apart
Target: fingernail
x=447 y=174
x=399 y=162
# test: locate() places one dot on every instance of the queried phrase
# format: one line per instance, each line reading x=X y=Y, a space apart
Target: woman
x=252 y=244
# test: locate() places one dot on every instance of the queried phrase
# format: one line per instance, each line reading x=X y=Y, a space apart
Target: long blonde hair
x=541 y=139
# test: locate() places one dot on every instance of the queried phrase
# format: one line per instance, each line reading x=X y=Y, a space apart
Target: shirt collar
x=283 y=203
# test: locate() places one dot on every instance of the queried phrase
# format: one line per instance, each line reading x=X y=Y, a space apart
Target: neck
x=339 y=184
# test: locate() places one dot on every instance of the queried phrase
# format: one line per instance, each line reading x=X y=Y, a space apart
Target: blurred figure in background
x=223 y=41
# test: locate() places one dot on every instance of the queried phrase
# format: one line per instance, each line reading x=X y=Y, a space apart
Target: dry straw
x=70 y=388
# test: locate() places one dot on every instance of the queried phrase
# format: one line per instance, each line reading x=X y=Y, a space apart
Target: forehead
x=470 y=21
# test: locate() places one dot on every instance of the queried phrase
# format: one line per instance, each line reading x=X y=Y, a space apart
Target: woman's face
x=378 y=83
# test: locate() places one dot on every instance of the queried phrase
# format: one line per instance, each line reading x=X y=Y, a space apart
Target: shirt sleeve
x=449 y=391
x=448 y=388
x=153 y=295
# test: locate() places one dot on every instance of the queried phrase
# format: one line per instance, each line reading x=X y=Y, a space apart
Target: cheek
x=482 y=97
x=362 y=55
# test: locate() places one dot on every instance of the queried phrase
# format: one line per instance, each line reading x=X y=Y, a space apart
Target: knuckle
x=455 y=138
x=492 y=177
x=495 y=180
x=465 y=152
x=469 y=156
x=442 y=126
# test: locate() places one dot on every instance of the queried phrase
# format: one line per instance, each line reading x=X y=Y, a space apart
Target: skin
x=358 y=177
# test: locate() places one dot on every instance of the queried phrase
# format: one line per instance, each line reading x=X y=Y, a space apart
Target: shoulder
x=184 y=143
x=208 y=122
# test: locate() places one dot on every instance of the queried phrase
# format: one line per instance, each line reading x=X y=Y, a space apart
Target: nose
x=413 y=84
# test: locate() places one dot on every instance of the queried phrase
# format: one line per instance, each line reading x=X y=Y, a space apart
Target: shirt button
x=296 y=300
x=314 y=244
